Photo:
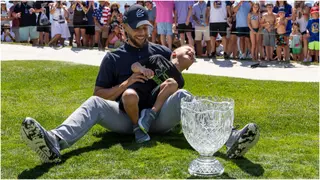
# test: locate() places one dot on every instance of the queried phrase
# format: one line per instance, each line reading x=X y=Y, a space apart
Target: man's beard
x=134 y=42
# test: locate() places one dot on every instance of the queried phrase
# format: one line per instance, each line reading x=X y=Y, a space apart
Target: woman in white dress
x=59 y=26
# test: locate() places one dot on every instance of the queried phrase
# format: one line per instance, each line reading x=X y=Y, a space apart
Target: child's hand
x=147 y=72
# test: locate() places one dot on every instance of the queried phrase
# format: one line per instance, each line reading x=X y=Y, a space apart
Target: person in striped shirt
x=101 y=17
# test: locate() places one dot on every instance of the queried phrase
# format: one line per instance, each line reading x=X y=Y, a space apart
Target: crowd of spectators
x=257 y=30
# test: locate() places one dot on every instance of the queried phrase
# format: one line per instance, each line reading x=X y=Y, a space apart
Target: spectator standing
x=152 y=19
x=296 y=42
x=5 y=22
x=281 y=24
x=288 y=13
x=15 y=21
x=59 y=27
x=43 y=21
x=254 y=25
x=301 y=17
x=201 y=26
x=263 y=10
x=313 y=31
x=217 y=14
x=90 y=29
x=101 y=17
x=242 y=9
x=25 y=11
x=70 y=23
x=164 y=20
x=126 y=7
x=80 y=21
x=268 y=22
x=232 y=42
x=183 y=20
x=115 y=12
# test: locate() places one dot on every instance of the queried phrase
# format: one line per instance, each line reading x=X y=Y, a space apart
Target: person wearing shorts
x=80 y=22
x=217 y=14
x=25 y=11
x=101 y=17
x=164 y=20
x=313 y=30
x=43 y=28
x=183 y=13
x=296 y=42
x=201 y=28
x=15 y=21
x=90 y=28
x=269 y=38
x=243 y=31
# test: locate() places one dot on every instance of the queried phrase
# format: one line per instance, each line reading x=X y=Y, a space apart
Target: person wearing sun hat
x=313 y=32
x=115 y=12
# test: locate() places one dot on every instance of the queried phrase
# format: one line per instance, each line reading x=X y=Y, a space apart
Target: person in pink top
x=164 y=20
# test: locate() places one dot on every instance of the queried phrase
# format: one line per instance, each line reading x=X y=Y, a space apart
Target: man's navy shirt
x=115 y=67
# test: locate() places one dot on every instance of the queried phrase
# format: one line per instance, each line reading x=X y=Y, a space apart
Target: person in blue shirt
x=313 y=31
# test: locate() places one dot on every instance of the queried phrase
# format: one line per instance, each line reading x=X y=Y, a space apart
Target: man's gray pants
x=97 y=110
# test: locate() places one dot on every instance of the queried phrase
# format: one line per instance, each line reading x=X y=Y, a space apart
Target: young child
x=281 y=25
x=268 y=21
x=153 y=93
x=313 y=32
x=301 y=16
x=115 y=37
x=253 y=24
x=296 y=42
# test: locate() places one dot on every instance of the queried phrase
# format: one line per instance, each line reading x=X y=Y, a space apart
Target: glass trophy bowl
x=206 y=124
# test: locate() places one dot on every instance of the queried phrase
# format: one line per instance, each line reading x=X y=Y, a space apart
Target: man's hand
x=187 y=22
x=18 y=15
x=31 y=10
x=147 y=72
x=136 y=77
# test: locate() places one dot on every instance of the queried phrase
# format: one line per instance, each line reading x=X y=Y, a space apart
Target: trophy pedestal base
x=205 y=166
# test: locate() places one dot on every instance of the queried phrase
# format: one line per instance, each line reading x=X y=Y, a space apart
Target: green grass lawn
x=287 y=114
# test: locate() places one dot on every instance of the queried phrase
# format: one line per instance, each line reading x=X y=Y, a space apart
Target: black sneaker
x=41 y=141
x=226 y=56
x=242 y=140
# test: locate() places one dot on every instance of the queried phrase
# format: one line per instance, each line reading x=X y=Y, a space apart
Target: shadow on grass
x=108 y=140
x=244 y=164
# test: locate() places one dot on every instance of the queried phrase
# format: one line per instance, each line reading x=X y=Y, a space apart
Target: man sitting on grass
x=115 y=76
x=164 y=79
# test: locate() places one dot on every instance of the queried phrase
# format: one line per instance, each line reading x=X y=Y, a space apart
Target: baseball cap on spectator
x=136 y=16
x=281 y=10
x=314 y=9
x=126 y=5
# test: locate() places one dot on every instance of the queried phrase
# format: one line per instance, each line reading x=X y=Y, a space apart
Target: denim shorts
x=164 y=28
